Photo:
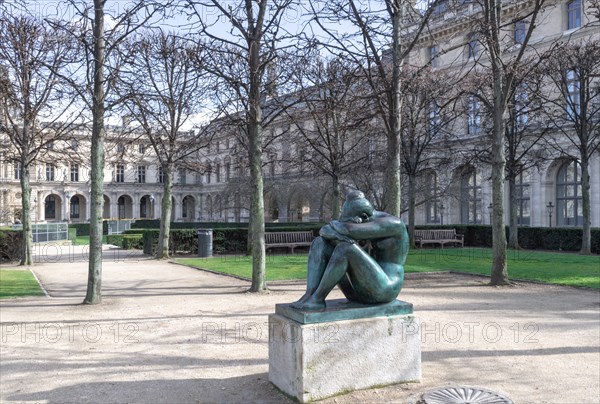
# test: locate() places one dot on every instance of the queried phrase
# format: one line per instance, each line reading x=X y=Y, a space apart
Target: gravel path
x=169 y=333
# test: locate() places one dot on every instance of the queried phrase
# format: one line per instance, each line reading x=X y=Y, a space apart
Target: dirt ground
x=169 y=333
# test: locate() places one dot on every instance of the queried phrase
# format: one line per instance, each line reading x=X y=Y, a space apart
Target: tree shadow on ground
x=251 y=389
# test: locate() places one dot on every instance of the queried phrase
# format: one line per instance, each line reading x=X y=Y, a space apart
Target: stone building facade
x=214 y=186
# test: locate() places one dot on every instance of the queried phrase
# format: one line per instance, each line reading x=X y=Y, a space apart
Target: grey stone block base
x=315 y=361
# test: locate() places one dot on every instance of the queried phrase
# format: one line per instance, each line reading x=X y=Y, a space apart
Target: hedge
x=83 y=229
x=155 y=224
x=126 y=241
x=530 y=238
x=10 y=245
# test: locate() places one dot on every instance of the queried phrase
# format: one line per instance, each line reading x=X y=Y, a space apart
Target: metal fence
x=50 y=232
x=119 y=226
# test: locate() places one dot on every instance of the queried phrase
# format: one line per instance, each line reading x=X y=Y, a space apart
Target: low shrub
x=83 y=229
x=10 y=245
x=132 y=241
x=115 y=239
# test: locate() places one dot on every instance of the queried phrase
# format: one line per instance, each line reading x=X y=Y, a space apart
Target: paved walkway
x=169 y=333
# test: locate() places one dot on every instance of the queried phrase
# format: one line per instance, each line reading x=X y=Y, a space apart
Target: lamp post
x=490 y=211
x=442 y=208
x=549 y=208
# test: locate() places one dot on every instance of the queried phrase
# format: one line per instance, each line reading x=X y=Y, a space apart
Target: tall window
x=74 y=145
x=573 y=92
x=435 y=118
x=218 y=171
x=433 y=56
x=141 y=174
x=568 y=195
x=74 y=172
x=161 y=175
x=198 y=178
x=470 y=195
x=227 y=171
x=208 y=173
x=143 y=207
x=472 y=45
x=574 y=14
x=474 y=111
x=523 y=199
x=17 y=170
x=50 y=207
x=74 y=207
x=142 y=148
x=182 y=176
x=521 y=106
x=50 y=172
x=120 y=148
x=431 y=201
x=120 y=176
x=520 y=32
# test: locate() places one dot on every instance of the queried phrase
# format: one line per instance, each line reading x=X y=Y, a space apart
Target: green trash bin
x=204 y=242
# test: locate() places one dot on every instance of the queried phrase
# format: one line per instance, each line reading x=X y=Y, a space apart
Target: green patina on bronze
x=342 y=309
x=363 y=253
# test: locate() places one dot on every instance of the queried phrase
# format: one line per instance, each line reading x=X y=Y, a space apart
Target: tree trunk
x=586 y=238
x=94 y=285
x=393 y=197
x=27 y=242
x=335 y=197
x=499 y=274
x=412 y=196
x=513 y=230
x=162 y=250
x=257 y=203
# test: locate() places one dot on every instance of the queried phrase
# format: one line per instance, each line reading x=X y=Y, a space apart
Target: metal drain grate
x=464 y=395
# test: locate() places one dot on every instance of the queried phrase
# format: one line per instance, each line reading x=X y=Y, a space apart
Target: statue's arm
x=329 y=233
x=381 y=225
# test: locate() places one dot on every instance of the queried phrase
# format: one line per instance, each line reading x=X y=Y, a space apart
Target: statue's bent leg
x=318 y=257
x=336 y=270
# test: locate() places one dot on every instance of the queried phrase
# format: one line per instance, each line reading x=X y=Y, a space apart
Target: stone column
x=536 y=200
x=136 y=205
x=114 y=208
x=41 y=216
x=177 y=207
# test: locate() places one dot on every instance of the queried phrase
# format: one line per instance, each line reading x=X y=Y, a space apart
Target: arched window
x=121 y=207
x=470 y=197
x=50 y=207
x=568 y=195
x=74 y=208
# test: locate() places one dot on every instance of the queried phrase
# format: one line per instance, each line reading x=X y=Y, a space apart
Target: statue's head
x=356 y=208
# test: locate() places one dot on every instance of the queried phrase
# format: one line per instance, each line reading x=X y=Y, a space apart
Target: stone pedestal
x=320 y=359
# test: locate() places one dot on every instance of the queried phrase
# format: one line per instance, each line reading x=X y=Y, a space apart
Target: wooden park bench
x=438 y=236
x=290 y=239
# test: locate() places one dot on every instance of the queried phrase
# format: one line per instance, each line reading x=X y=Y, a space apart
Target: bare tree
x=332 y=118
x=34 y=112
x=100 y=63
x=428 y=114
x=573 y=110
x=384 y=34
x=164 y=88
x=504 y=65
x=240 y=59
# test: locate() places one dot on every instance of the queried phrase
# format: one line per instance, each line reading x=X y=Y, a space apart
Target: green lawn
x=558 y=268
x=18 y=283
